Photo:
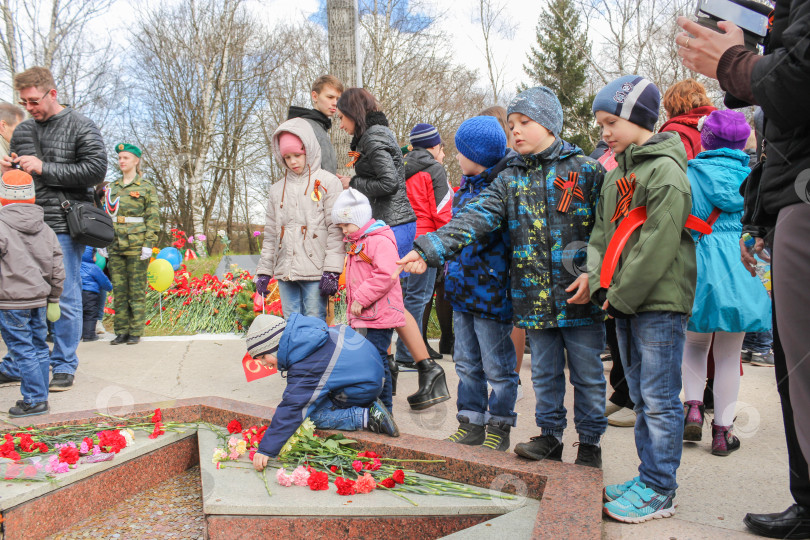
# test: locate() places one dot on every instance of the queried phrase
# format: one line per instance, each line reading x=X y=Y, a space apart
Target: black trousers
x=90 y=302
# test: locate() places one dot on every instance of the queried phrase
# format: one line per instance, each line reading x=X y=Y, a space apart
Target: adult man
x=10 y=116
x=325 y=93
x=64 y=152
x=776 y=201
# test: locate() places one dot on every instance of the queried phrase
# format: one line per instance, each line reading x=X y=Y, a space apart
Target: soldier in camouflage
x=133 y=204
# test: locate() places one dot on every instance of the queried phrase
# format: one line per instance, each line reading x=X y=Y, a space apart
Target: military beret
x=126 y=147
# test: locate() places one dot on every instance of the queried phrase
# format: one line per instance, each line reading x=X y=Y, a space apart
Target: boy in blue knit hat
x=547 y=200
x=651 y=292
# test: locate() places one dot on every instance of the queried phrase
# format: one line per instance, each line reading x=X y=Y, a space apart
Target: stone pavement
x=714 y=495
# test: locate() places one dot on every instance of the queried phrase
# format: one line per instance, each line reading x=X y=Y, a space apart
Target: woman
x=686 y=103
x=380 y=176
x=132 y=202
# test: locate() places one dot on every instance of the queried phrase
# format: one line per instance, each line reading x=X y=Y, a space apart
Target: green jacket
x=657 y=269
x=137 y=199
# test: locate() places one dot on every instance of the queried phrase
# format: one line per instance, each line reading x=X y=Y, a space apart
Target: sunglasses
x=34 y=102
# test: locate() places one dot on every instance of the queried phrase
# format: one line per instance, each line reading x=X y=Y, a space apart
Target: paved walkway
x=715 y=492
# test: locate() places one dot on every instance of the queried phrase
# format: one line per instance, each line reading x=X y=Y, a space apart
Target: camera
x=750 y=16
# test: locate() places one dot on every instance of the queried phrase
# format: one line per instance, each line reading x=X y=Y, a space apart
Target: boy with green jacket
x=652 y=289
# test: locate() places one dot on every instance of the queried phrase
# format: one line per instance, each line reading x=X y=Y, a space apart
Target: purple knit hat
x=725 y=129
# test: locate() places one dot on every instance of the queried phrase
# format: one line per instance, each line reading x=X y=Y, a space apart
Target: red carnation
x=373 y=465
x=388 y=483
x=26 y=442
x=157 y=431
x=368 y=454
x=68 y=455
x=157 y=416
x=398 y=476
x=333 y=468
x=234 y=426
x=344 y=487
x=111 y=441
x=42 y=447
x=318 y=481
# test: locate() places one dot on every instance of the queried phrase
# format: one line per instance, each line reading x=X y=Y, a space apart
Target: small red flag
x=255 y=370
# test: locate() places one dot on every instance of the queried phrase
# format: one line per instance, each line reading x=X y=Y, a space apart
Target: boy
x=326 y=91
x=333 y=377
x=431 y=197
x=547 y=199
x=94 y=284
x=31 y=278
x=652 y=291
x=477 y=286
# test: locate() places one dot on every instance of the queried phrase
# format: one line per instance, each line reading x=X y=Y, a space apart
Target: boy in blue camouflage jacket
x=547 y=198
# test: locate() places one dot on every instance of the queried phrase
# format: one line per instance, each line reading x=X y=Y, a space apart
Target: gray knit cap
x=541 y=105
x=264 y=335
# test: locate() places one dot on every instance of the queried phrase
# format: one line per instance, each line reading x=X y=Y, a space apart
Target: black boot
x=119 y=339
x=432 y=386
x=394 y=368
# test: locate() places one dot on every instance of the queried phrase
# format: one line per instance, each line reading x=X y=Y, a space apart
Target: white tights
x=727 y=347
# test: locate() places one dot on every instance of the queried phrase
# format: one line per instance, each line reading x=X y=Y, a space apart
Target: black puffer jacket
x=73 y=160
x=380 y=173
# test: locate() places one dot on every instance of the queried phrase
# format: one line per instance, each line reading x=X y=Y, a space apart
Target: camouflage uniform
x=138 y=199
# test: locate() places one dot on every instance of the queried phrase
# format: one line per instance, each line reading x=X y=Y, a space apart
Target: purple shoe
x=723 y=442
x=693 y=420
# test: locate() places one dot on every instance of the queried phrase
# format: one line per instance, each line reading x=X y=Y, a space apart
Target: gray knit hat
x=264 y=335
x=541 y=105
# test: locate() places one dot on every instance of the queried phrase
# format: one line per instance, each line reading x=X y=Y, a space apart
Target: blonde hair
x=500 y=114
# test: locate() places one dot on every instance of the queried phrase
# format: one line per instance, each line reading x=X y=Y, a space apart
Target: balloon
x=172 y=255
x=160 y=274
x=101 y=262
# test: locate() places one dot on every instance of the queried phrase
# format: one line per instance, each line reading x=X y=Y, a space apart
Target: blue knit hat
x=481 y=140
x=631 y=97
x=541 y=105
x=425 y=136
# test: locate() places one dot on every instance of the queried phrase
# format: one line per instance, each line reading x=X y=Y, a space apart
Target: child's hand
x=356 y=308
x=583 y=292
x=345 y=180
x=259 y=461
x=412 y=262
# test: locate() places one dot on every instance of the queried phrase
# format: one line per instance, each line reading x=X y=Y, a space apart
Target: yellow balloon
x=160 y=274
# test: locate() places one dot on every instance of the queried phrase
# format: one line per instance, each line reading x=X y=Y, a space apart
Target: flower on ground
x=251 y=454
x=56 y=466
x=388 y=483
x=111 y=441
x=219 y=455
x=365 y=484
x=283 y=478
x=234 y=426
x=373 y=465
x=318 y=481
x=398 y=476
x=157 y=416
x=157 y=431
x=68 y=455
x=300 y=476
x=357 y=465
x=128 y=435
x=367 y=454
x=345 y=487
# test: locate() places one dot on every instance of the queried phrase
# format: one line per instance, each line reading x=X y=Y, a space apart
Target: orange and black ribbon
x=626 y=187
x=355 y=156
x=570 y=190
x=356 y=250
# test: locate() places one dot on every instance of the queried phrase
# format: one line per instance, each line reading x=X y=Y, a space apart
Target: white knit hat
x=264 y=335
x=353 y=207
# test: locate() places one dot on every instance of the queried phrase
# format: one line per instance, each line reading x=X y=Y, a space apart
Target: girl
x=380 y=176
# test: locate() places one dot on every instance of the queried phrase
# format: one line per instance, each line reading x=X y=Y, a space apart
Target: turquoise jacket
x=728 y=298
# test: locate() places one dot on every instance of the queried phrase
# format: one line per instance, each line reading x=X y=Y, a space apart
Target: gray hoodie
x=31 y=270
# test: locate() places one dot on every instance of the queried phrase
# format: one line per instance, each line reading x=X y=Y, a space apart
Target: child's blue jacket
x=93 y=278
x=321 y=362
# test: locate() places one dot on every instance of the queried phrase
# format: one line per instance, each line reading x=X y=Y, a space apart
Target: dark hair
x=356 y=103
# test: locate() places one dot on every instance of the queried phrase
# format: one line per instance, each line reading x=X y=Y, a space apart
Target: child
x=547 y=199
x=374 y=300
x=333 y=377
x=307 y=258
x=31 y=278
x=477 y=286
x=94 y=283
x=652 y=290
x=431 y=197
x=731 y=302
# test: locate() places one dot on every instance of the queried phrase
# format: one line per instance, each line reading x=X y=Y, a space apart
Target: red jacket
x=685 y=125
x=428 y=190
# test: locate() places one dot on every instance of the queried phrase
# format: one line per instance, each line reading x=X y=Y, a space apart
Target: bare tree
x=489 y=15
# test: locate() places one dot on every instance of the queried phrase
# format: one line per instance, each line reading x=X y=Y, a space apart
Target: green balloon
x=101 y=262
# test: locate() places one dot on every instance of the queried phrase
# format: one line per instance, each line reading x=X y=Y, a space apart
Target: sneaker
x=23 y=409
x=497 y=436
x=624 y=417
x=588 y=455
x=611 y=408
x=693 y=418
x=542 y=447
x=8 y=381
x=745 y=356
x=100 y=328
x=639 y=504
x=762 y=359
x=614 y=491
x=381 y=421
x=61 y=382
x=467 y=433
x=723 y=441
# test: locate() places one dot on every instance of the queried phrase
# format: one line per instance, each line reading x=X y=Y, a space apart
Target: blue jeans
x=416 y=292
x=758 y=342
x=484 y=351
x=67 y=330
x=334 y=415
x=584 y=344
x=24 y=332
x=302 y=297
x=652 y=351
x=404 y=234
x=381 y=339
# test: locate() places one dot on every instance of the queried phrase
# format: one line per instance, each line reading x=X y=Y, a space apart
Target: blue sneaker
x=614 y=491
x=640 y=504
x=381 y=421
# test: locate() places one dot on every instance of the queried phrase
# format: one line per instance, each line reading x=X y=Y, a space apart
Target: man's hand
x=747 y=256
x=605 y=308
x=259 y=461
x=412 y=262
x=583 y=292
x=6 y=162
x=30 y=164
x=356 y=308
x=702 y=50
x=345 y=180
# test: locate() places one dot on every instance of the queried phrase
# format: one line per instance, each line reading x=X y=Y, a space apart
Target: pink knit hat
x=289 y=143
